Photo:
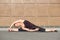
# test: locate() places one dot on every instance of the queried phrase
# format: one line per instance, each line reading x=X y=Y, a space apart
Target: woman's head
x=17 y=24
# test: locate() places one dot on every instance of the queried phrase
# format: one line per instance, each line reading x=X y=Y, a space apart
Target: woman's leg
x=47 y=30
x=41 y=29
x=50 y=30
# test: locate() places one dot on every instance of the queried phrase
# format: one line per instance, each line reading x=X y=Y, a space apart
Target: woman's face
x=17 y=24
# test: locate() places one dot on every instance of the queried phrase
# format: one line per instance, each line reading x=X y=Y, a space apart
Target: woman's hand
x=9 y=29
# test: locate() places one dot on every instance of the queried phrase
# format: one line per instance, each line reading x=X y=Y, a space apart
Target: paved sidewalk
x=5 y=35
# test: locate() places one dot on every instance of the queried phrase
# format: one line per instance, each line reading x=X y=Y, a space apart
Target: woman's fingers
x=9 y=29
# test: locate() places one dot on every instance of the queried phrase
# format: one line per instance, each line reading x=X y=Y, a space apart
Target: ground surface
x=5 y=35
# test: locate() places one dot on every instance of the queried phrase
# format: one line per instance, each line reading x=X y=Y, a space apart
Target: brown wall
x=39 y=12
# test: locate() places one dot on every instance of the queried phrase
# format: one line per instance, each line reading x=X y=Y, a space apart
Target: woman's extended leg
x=50 y=30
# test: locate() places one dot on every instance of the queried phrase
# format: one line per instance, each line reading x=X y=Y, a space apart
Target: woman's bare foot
x=53 y=31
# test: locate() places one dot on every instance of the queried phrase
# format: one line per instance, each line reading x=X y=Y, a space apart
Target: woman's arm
x=11 y=25
x=14 y=23
x=10 y=28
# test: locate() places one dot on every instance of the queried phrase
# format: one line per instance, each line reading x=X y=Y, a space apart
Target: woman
x=24 y=25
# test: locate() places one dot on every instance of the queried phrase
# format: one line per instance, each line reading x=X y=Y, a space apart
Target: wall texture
x=39 y=12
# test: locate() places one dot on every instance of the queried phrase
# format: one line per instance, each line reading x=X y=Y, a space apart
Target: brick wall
x=39 y=12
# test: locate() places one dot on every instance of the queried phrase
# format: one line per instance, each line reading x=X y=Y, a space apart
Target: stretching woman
x=24 y=25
